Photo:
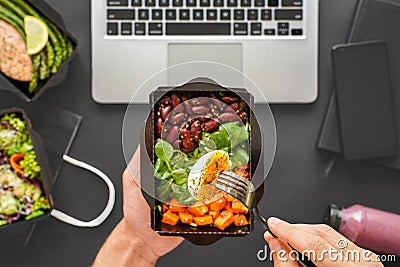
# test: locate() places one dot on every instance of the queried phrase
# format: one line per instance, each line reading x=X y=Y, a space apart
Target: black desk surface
x=296 y=189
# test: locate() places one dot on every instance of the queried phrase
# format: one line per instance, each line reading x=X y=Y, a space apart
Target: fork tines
x=235 y=185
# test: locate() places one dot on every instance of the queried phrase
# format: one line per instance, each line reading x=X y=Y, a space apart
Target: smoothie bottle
x=369 y=228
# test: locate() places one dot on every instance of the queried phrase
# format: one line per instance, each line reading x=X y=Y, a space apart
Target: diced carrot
x=218 y=204
x=229 y=197
x=240 y=220
x=213 y=214
x=224 y=219
x=204 y=220
x=170 y=218
x=246 y=174
x=228 y=206
x=198 y=209
x=175 y=206
x=177 y=209
x=14 y=161
x=238 y=207
x=164 y=208
x=186 y=217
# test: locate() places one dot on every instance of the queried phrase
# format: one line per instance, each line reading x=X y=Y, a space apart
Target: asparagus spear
x=61 y=38
x=58 y=54
x=18 y=11
x=70 y=47
x=50 y=55
x=44 y=71
x=33 y=84
x=26 y=7
x=7 y=12
x=14 y=24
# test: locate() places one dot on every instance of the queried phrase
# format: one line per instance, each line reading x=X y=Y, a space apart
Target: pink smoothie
x=371 y=228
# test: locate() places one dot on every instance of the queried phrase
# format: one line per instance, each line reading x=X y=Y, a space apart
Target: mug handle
x=107 y=210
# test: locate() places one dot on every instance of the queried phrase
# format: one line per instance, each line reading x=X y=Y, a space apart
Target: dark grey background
x=296 y=189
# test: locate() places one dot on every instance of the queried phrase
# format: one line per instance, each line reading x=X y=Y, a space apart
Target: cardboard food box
x=21 y=88
x=202 y=235
x=51 y=152
x=19 y=231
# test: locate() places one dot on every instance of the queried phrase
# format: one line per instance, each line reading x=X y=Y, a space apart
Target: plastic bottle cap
x=333 y=216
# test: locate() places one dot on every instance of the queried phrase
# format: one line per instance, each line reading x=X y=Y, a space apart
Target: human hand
x=319 y=240
x=133 y=242
x=137 y=212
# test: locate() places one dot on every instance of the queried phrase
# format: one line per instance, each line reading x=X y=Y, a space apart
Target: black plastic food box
x=20 y=231
x=20 y=88
x=197 y=235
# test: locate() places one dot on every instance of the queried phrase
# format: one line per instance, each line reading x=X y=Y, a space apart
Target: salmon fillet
x=14 y=59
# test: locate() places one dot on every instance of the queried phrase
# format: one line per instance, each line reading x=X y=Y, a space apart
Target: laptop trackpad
x=227 y=54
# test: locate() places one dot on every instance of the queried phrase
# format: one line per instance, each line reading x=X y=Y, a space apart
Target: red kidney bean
x=199 y=101
x=164 y=101
x=188 y=106
x=217 y=103
x=228 y=117
x=203 y=118
x=204 y=100
x=200 y=109
x=178 y=118
x=173 y=135
x=177 y=144
x=165 y=112
x=180 y=108
x=189 y=145
x=229 y=99
x=159 y=126
x=185 y=126
x=242 y=105
x=196 y=131
x=187 y=140
x=165 y=130
x=185 y=132
x=233 y=106
x=195 y=102
x=243 y=115
x=188 y=150
x=210 y=125
x=175 y=100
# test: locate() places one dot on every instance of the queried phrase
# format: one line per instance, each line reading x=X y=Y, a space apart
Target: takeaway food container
x=197 y=235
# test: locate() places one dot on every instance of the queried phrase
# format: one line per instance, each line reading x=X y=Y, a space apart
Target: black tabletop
x=295 y=190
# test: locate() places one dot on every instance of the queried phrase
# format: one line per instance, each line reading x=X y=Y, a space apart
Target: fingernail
x=274 y=221
x=267 y=236
x=275 y=245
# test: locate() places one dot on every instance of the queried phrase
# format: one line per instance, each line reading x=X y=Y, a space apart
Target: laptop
x=273 y=42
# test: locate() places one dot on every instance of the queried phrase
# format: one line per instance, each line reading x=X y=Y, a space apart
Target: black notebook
x=373 y=20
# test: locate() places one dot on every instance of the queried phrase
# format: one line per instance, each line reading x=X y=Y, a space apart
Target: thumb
x=281 y=253
x=131 y=174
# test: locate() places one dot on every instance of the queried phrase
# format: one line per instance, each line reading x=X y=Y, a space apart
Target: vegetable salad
x=188 y=127
x=21 y=191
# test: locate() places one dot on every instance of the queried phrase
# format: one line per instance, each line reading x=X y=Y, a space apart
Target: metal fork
x=244 y=191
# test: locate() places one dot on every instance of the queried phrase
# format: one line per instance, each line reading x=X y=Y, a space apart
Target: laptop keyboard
x=273 y=19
